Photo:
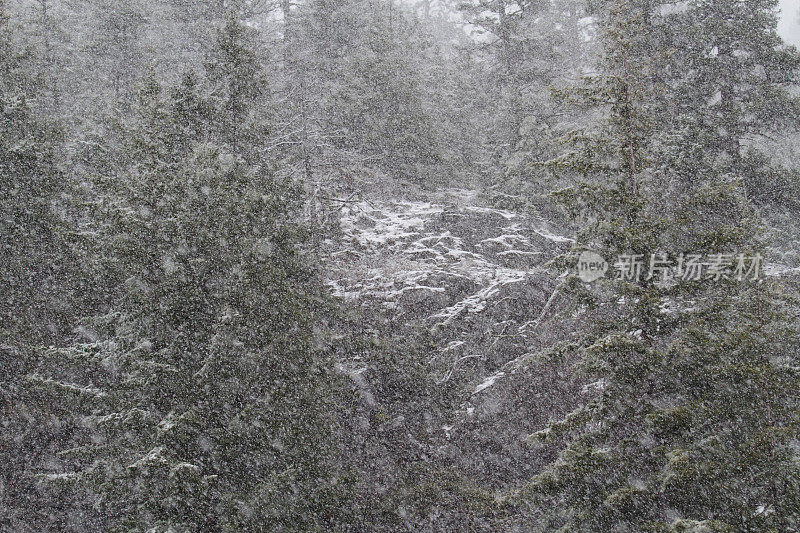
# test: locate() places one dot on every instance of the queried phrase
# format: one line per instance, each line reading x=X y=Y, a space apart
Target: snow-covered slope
x=471 y=277
x=435 y=260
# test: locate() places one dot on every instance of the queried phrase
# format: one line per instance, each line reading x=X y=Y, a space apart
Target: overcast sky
x=789 y=27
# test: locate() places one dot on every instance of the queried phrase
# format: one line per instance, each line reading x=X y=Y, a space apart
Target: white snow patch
x=509 y=241
x=552 y=237
x=673 y=8
x=479 y=301
x=508 y=215
x=598 y=385
x=488 y=382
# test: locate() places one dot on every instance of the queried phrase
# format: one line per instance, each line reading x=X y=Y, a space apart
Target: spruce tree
x=362 y=79
x=37 y=284
x=204 y=396
x=693 y=424
x=116 y=44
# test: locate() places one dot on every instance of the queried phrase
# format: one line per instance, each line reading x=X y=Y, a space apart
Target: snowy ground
x=450 y=256
x=467 y=273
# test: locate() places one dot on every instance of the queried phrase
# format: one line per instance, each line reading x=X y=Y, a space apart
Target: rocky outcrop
x=471 y=276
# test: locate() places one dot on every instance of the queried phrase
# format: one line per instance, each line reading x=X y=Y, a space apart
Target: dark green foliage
x=171 y=360
x=694 y=422
x=204 y=395
x=37 y=283
x=363 y=78
x=117 y=45
x=31 y=185
x=240 y=90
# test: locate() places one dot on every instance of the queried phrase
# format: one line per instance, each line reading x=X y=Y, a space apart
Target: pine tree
x=35 y=286
x=204 y=397
x=360 y=73
x=499 y=19
x=692 y=428
x=235 y=70
x=116 y=45
x=550 y=47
